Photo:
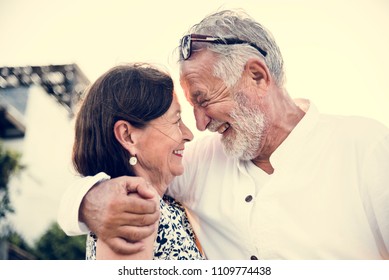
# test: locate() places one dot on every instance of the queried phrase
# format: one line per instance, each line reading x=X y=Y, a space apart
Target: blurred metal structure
x=65 y=83
x=9 y=251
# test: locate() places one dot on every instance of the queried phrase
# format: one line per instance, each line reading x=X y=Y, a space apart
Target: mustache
x=214 y=125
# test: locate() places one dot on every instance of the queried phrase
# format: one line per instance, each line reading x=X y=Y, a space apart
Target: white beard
x=249 y=123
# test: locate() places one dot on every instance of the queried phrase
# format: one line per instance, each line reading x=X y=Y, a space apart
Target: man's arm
x=112 y=211
x=146 y=251
x=375 y=181
x=70 y=203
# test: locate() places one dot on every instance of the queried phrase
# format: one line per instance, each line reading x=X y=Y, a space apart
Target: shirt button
x=248 y=198
x=253 y=258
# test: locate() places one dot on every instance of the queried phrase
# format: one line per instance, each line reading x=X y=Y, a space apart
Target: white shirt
x=328 y=170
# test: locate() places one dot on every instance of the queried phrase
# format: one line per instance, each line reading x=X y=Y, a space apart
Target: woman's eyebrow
x=176 y=113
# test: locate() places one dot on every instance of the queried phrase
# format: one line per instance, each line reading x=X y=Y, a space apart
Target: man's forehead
x=204 y=60
x=194 y=73
x=190 y=81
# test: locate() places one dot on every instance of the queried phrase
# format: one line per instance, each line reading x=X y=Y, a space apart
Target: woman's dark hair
x=137 y=93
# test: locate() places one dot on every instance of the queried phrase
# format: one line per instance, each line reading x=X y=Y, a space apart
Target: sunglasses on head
x=186 y=43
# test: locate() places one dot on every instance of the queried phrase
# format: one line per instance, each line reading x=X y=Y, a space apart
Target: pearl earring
x=133 y=160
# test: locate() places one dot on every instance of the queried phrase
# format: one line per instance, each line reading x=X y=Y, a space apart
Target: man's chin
x=232 y=151
x=236 y=152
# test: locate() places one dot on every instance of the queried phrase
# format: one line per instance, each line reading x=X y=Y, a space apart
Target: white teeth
x=223 y=128
x=178 y=152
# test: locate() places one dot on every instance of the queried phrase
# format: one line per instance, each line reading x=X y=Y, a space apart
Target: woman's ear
x=123 y=133
x=258 y=72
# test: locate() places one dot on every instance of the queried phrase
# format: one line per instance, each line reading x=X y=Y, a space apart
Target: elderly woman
x=130 y=124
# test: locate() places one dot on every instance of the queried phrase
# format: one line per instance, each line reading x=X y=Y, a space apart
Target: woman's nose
x=186 y=133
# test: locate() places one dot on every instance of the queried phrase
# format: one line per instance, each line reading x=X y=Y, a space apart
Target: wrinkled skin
x=122 y=212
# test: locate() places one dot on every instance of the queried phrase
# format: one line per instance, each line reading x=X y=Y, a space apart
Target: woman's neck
x=156 y=182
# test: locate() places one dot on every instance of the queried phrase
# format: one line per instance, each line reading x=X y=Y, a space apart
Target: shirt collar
x=284 y=153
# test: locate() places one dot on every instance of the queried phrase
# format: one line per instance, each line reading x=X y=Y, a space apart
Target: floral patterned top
x=175 y=239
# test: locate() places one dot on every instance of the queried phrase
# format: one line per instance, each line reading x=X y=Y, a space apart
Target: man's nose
x=202 y=120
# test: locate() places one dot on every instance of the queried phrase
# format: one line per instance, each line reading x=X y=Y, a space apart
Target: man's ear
x=258 y=72
x=123 y=133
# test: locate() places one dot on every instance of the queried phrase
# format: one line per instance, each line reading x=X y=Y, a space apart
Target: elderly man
x=278 y=180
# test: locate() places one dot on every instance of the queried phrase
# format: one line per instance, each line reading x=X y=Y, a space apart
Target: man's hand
x=122 y=212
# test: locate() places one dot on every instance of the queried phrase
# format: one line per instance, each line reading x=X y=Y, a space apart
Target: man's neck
x=280 y=126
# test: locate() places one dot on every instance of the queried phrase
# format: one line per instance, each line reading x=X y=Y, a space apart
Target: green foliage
x=56 y=245
x=15 y=238
x=9 y=165
x=18 y=248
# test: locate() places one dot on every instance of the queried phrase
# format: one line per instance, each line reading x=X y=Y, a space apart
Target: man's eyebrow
x=195 y=95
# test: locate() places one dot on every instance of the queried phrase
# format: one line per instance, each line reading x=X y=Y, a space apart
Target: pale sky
x=336 y=53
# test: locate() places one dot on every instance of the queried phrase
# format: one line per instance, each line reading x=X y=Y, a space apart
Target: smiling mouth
x=178 y=152
x=223 y=128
